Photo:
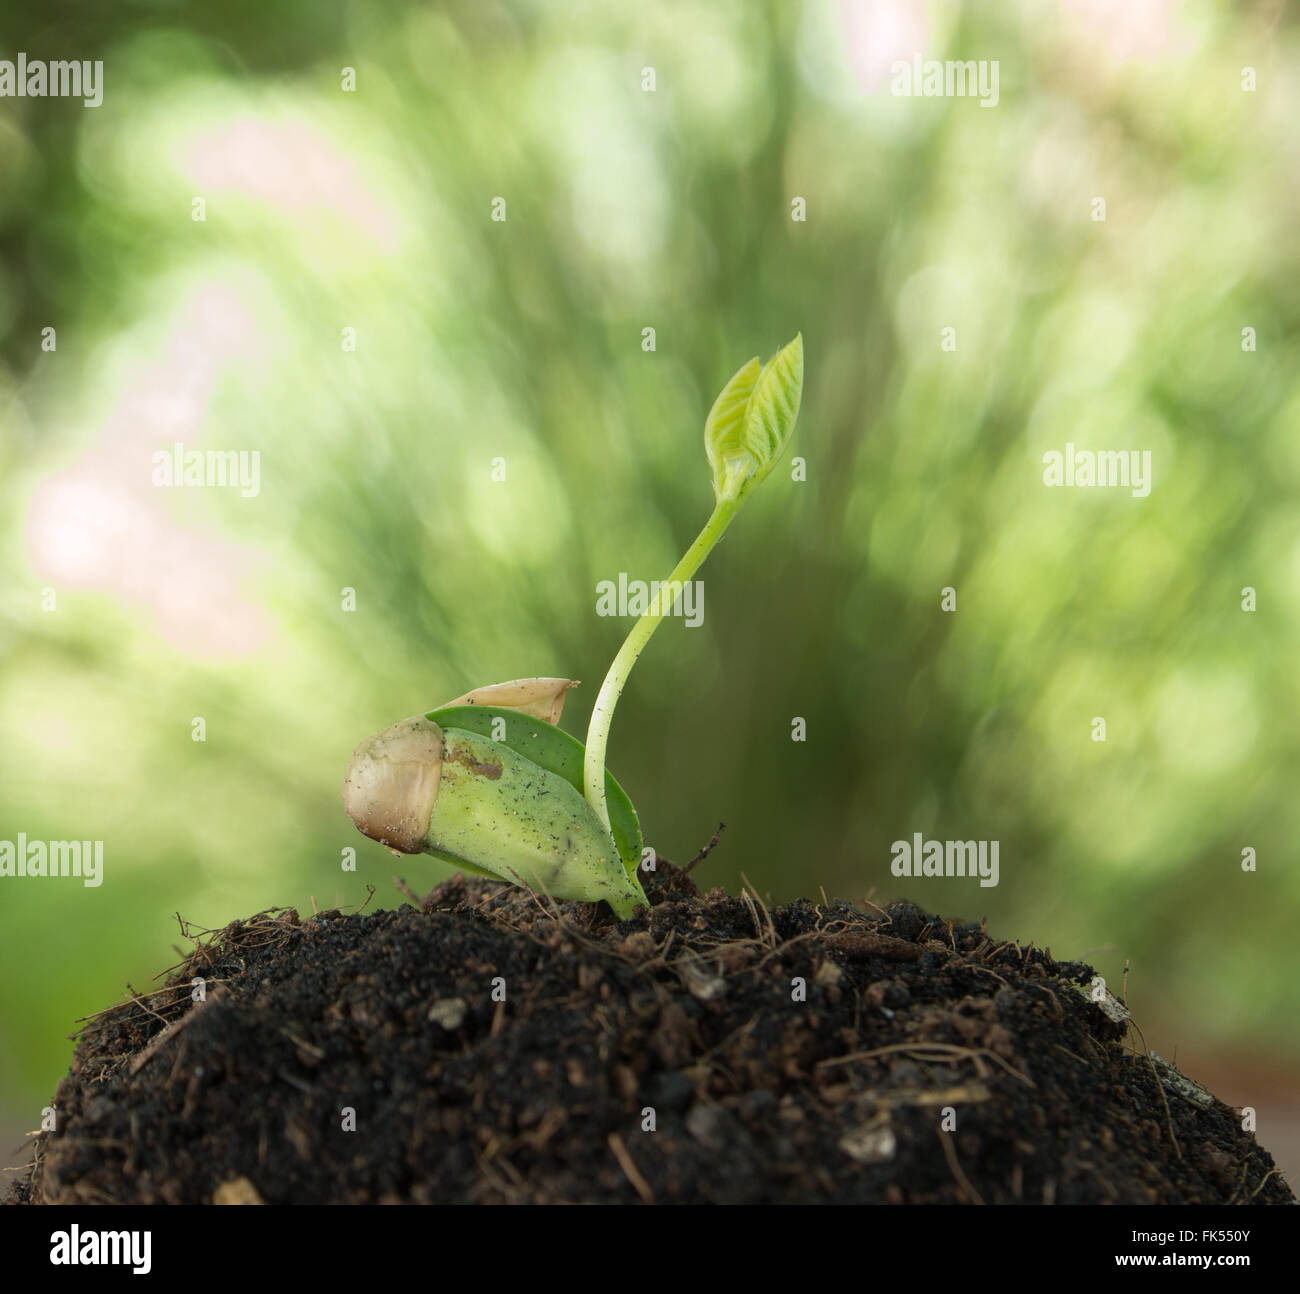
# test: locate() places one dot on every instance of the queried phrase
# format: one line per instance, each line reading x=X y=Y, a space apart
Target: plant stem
x=602 y=714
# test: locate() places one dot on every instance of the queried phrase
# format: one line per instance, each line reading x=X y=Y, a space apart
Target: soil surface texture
x=490 y=1047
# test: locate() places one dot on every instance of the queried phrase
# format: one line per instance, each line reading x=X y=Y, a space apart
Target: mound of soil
x=489 y=1048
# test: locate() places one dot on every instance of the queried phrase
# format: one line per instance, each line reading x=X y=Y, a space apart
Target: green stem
x=602 y=714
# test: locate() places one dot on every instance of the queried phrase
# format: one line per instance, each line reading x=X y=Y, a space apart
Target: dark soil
x=929 y=1063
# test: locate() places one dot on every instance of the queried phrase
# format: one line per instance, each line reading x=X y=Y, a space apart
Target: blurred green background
x=669 y=208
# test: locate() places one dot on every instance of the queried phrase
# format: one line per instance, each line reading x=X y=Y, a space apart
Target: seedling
x=488 y=783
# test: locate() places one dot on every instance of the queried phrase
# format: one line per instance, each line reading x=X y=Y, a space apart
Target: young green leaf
x=745 y=434
x=751 y=421
x=724 y=430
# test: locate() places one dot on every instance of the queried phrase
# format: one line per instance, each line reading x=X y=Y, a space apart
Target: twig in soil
x=302 y=1043
x=630 y=1170
x=140 y=1002
x=984 y=970
x=160 y=1040
x=370 y=894
x=603 y=950
x=499 y=1173
x=707 y=1057
x=866 y=899
x=780 y=948
x=553 y=912
x=964 y=1182
x=1272 y=1172
x=751 y=898
x=1056 y=1001
x=443 y=891
x=1245 y=1169
x=1069 y=1053
x=1160 y=1087
x=660 y=959
x=195 y=933
x=490 y=898
x=708 y=849
x=166 y=988
x=917 y=1050
x=187 y=927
